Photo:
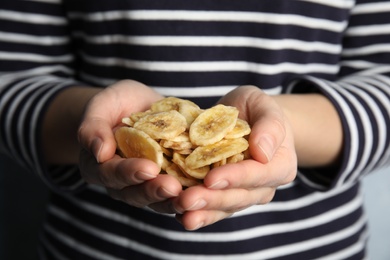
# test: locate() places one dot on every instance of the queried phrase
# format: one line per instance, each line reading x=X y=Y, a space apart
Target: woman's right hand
x=137 y=182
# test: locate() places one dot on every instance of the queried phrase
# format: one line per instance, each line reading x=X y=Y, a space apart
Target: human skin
x=284 y=129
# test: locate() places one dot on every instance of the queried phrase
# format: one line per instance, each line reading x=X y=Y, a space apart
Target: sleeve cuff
x=323 y=179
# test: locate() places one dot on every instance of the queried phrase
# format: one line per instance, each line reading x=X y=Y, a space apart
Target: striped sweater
x=200 y=50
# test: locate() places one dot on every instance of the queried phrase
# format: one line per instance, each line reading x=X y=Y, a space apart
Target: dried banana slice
x=190 y=112
x=162 y=125
x=170 y=103
x=213 y=124
x=198 y=173
x=206 y=155
x=127 y=121
x=137 y=115
x=176 y=172
x=184 y=152
x=166 y=163
x=176 y=145
x=235 y=158
x=219 y=163
x=241 y=129
x=134 y=143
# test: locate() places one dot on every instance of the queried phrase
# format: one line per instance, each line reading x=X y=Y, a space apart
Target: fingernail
x=200 y=225
x=144 y=176
x=219 y=185
x=199 y=204
x=267 y=147
x=97 y=146
x=164 y=193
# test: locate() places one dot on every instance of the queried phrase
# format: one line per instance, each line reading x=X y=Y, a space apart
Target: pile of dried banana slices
x=184 y=140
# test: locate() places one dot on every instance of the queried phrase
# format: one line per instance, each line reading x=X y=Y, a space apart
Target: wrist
x=60 y=124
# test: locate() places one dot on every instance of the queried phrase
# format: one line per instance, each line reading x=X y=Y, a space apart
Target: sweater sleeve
x=36 y=63
x=361 y=95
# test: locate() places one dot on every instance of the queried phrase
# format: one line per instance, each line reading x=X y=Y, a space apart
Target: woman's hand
x=134 y=181
x=233 y=187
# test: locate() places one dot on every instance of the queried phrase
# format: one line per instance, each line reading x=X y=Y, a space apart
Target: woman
x=316 y=94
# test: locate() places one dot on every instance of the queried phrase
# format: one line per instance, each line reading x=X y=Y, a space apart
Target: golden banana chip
x=198 y=173
x=184 y=180
x=128 y=121
x=190 y=112
x=137 y=115
x=209 y=154
x=213 y=124
x=235 y=158
x=162 y=125
x=241 y=129
x=176 y=145
x=170 y=103
x=136 y=144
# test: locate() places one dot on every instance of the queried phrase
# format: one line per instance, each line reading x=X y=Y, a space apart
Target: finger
x=250 y=174
x=118 y=172
x=156 y=190
x=268 y=129
x=165 y=207
x=229 y=200
x=96 y=136
x=193 y=220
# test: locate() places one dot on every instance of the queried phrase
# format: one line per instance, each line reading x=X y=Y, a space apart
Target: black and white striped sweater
x=200 y=50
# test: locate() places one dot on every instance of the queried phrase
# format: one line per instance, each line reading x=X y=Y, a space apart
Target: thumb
x=268 y=133
x=96 y=136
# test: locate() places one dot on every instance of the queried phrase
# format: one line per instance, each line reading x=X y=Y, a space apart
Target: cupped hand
x=233 y=187
x=134 y=181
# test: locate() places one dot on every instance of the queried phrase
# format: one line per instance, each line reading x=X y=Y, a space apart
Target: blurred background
x=23 y=197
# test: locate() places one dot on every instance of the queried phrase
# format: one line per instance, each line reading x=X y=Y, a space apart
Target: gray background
x=23 y=196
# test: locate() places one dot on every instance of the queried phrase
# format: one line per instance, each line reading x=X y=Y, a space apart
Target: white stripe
x=185 y=91
x=376 y=70
x=34 y=119
x=367 y=50
x=194 y=91
x=211 y=91
x=312 y=184
x=360 y=64
x=295 y=204
x=224 y=41
x=345 y=4
x=314 y=243
x=369 y=8
x=209 y=66
x=7 y=77
x=32 y=39
x=368 y=85
x=349 y=251
x=35 y=57
x=46 y=1
x=77 y=245
x=367 y=128
x=221 y=237
x=49 y=247
x=367 y=30
x=386 y=156
x=32 y=91
x=214 y=16
x=23 y=17
x=236 y=235
x=25 y=88
x=104 y=235
x=352 y=160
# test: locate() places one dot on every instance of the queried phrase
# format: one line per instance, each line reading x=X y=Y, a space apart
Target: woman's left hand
x=234 y=187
